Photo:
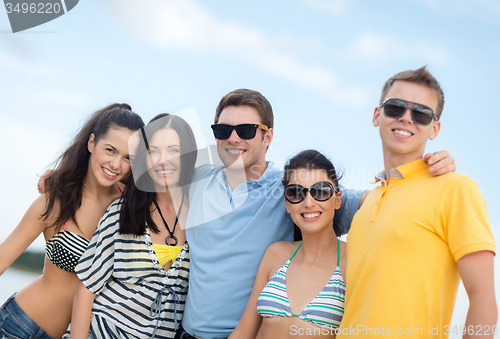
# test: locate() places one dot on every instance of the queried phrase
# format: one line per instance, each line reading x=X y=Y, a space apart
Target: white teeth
x=310 y=215
x=108 y=172
x=234 y=151
x=165 y=171
x=405 y=133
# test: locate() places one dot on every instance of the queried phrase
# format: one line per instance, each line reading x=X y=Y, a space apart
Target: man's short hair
x=247 y=97
x=420 y=76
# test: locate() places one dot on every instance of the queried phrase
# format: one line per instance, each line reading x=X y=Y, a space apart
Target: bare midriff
x=291 y=327
x=48 y=300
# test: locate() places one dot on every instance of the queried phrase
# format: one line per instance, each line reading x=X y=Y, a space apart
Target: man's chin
x=235 y=166
x=233 y=163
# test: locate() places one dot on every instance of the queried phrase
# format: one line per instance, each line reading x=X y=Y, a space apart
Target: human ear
x=286 y=205
x=376 y=116
x=435 y=130
x=338 y=200
x=91 y=143
x=268 y=137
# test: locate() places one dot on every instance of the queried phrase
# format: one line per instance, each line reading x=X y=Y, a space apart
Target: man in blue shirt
x=237 y=211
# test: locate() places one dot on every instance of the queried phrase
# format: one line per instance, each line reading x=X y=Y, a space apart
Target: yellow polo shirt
x=402 y=249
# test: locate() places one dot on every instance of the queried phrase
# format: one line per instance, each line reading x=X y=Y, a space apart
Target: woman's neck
x=315 y=246
x=171 y=198
x=93 y=189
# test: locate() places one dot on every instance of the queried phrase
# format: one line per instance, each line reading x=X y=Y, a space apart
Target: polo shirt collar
x=404 y=171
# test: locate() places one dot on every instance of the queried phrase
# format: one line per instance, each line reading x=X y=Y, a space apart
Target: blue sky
x=320 y=63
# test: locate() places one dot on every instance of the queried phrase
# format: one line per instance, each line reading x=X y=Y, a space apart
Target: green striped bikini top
x=326 y=309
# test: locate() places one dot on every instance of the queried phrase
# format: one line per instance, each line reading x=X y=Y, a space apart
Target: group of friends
x=213 y=252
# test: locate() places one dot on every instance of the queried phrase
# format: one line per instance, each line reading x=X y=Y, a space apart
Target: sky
x=321 y=64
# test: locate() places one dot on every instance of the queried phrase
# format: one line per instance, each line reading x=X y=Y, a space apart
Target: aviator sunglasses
x=420 y=114
x=320 y=191
x=244 y=131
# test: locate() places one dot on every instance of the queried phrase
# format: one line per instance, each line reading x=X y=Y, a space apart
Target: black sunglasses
x=420 y=114
x=244 y=131
x=320 y=191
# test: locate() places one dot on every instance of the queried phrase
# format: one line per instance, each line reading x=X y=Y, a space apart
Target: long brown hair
x=140 y=192
x=65 y=183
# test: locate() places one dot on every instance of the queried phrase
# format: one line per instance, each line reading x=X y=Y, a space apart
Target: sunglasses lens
x=421 y=114
x=294 y=193
x=246 y=131
x=394 y=108
x=322 y=191
x=222 y=132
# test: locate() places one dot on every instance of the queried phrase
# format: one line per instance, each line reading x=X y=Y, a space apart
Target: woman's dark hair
x=140 y=192
x=65 y=183
x=311 y=160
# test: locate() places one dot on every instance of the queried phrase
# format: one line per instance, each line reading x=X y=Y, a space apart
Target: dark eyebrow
x=153 y=146
x=116 y=150
x=113 y=147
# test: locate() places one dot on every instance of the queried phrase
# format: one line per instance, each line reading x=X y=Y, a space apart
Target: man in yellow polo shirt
x=416 y=235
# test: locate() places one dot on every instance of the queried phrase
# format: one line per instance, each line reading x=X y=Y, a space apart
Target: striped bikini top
x=325 y=310
x=65 y=248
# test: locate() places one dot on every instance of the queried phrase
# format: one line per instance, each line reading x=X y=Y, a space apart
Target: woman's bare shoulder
x=280 y=252
x=39 y=207
x=282 y=247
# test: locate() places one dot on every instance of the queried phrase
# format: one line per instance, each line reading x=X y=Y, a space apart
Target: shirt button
x=394 y=172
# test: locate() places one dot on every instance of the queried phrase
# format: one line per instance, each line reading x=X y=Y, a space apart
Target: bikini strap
x=119 y=188
x=338 y=251
x=295 y=252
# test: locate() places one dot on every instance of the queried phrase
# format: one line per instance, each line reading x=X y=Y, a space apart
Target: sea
x=13 y=280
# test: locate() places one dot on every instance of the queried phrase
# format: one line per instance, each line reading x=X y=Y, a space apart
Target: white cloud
x=335 y=7
x=314 y=78
x=183 y=24
x=373 y=49
x=186 y=25
x=291 y=69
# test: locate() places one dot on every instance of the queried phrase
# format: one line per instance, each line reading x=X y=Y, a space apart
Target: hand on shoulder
x=440 y=163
